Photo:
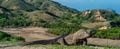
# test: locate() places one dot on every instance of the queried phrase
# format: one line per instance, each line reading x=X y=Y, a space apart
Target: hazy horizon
x=82 y=5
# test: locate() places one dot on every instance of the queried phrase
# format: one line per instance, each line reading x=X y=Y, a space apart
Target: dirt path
x=104 y=42
x=36 y=33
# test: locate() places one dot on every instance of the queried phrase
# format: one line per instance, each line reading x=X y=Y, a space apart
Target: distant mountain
x=99 y=14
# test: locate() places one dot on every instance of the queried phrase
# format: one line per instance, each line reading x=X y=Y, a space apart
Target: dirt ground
x=31 y=33
x=39 y=33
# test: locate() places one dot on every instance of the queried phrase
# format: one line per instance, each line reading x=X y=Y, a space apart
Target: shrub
x=4 y=36
x=7 y=37
x=112 y=33
x=14 y=22
x=62 y=28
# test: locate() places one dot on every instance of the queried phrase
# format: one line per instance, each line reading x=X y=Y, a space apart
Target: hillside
x=17 y=5
x=38 y=10
x=42 y=5
x=5 y=13
x=50 y=14
x=99 y=14
x=51 y=6
x=53 y=9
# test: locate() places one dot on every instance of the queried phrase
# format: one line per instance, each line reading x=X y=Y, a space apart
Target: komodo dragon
x=78 y=38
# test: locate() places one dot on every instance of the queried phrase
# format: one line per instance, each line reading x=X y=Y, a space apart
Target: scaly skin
x=78 y=38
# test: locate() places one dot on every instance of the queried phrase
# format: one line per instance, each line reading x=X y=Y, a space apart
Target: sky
x=83 y=5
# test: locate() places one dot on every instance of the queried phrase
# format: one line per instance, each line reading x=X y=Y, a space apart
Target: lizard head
x=91 y=32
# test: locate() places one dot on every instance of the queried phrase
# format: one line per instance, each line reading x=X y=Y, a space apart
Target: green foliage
x=72 y=47
x=66 y=23
x=14 y=22
x=4 y=36
x=62 y=28
x=18 y=4
x=112 y=33
x=7 y=37
x=111 y=13
x=115 y=22
x=2 y=16
x=17 y=38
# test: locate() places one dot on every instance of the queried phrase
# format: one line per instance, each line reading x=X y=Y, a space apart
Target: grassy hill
x=17 y=5
x=53 y=10
x=53 y=7
x=53 y=15
x=38 y=10
x=47 y=13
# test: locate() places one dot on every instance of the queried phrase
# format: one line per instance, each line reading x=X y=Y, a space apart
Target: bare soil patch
x=30 y=33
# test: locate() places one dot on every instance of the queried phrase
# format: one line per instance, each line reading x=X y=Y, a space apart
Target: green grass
x=112 y=33
x=9 y=43
x=22 y=5
x=71 y=47
x=7 y=37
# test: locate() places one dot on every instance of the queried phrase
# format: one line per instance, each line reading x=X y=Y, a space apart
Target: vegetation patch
x=71 y=47
x=112 y=33
x=7 y=37
x=62 y=28
x=14 y=22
